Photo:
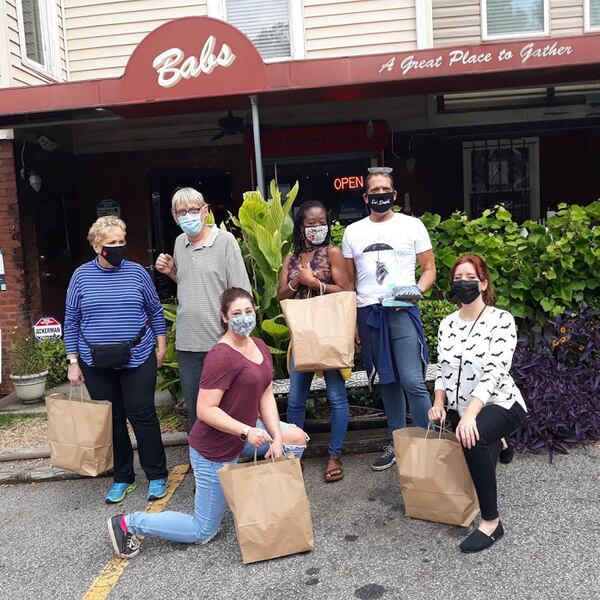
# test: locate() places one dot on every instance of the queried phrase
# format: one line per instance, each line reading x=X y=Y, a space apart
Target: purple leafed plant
x=560 y=381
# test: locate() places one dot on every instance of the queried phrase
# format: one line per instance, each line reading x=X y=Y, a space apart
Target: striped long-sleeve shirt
x=111 y=306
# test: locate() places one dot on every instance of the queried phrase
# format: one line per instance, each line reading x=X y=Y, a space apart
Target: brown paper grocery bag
x=434 y=478
x=80 y=433
x=322 y=329
x=270 y=507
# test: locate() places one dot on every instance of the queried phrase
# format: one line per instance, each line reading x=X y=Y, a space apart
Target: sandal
x=333 y=470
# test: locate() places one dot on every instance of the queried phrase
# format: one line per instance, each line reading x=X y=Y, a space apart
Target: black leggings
x=131 y=392
x=493 y=423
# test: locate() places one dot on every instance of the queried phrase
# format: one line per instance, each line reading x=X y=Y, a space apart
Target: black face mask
x=466 y=291
x=113 y=254
x=381 y=203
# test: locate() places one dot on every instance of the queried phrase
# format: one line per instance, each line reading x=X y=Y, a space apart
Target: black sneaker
x=125 y=544
x=386 y=460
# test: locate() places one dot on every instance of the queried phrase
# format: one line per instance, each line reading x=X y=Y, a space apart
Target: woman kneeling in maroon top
x=235 y=389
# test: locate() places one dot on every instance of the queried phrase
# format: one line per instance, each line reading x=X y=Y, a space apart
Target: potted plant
x=28 y=369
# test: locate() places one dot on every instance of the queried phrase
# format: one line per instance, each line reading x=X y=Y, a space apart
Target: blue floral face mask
x=242 y=324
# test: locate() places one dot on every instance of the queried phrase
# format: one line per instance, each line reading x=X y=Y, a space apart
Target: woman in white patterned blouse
x=475 y=349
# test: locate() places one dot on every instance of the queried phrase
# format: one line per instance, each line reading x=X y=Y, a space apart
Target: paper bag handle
x=256 y=455
x=71 y=392
x=309 y=293
x=429 y=427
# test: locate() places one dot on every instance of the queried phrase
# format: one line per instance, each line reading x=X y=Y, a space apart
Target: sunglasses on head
x=380 y=170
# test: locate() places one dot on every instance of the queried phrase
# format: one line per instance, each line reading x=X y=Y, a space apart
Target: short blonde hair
x=187 y=197
x=102 y=228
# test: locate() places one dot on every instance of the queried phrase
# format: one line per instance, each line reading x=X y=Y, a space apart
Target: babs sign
x=47 y=327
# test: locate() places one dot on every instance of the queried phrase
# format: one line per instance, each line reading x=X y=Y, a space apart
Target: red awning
x=198 y=63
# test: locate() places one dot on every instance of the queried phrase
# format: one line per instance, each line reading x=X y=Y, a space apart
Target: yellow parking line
x=111 y=573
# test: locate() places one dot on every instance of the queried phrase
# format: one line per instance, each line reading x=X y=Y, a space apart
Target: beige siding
x=456 y=23
x=566 y=17
x=21 y=73
x=102 y=34
x=459 y=23
x=351 y=27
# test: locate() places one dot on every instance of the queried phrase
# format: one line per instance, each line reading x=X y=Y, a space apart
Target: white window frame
x=518 y=35
x=534 y=170
x=587 y=18
x=50 y=39
x=424 y=21
x=218 y=10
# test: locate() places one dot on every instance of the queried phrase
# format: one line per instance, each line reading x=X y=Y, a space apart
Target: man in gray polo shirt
x=206 y=261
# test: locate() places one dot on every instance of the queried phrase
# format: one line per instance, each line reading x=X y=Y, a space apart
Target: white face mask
x=316 y=235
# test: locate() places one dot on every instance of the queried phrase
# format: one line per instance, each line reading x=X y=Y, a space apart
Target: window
x=266 y=23
x=38 y=30
x=514 y=18
x=502 y=171
x=592 y=15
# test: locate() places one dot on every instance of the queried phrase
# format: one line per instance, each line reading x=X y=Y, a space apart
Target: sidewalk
x=12 y=405
x=357 y=442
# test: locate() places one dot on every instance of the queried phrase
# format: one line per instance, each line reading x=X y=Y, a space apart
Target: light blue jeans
x=406 y=354
x=210 y=501
x=336 y=396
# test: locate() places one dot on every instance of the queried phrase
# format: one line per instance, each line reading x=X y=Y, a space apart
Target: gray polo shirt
x=203 y=274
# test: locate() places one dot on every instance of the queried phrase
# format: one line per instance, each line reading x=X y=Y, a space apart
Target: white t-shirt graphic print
x=385 y=254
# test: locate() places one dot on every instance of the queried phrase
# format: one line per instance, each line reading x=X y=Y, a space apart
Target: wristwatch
x=72 y=361
x=244 y=434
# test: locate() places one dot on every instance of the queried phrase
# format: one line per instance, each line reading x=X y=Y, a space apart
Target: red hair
x=483 y=274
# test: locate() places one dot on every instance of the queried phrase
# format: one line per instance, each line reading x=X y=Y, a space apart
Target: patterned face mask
x=242 y=324
x=316 y=235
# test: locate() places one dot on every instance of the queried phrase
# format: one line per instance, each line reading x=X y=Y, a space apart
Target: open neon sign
x=354 y=182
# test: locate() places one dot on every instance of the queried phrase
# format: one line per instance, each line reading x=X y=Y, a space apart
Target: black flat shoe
x=479 y=541
x=507 y=455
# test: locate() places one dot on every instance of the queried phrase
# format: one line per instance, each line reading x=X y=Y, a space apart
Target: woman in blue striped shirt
x=113 y=319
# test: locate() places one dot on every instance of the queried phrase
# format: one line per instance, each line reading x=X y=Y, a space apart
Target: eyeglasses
x=189 y=211
x=380 y=170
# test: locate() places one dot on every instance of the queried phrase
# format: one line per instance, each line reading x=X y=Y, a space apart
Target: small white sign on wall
x=2 y=274
x=108 y=207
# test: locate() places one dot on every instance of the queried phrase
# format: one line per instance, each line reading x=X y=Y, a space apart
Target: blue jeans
x=210 y=503
x=406 y=354
x=190 y=371
x=338 y=401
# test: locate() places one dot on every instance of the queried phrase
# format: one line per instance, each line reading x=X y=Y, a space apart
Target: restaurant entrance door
x=337 y=181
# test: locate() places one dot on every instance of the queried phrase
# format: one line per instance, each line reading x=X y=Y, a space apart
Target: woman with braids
x=316 y=267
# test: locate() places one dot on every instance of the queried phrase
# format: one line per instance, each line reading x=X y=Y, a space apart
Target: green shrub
x=25 y=354
x=54 y=356
x=538 y=270
x=432 y=313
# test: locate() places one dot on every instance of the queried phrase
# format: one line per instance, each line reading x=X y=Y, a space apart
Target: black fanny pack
x=110 y=356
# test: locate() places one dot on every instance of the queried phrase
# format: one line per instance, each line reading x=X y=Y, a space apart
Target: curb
x=357 y=442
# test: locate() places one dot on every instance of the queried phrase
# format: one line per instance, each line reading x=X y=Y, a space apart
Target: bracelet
x=321 y=288
x=291 y=288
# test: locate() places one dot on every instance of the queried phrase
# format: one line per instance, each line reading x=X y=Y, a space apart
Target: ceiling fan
x=227 y=125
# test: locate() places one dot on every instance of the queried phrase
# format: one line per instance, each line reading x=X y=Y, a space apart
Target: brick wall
x=14 y=307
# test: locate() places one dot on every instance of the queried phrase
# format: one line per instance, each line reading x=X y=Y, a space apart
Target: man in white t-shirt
x=382 y=251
